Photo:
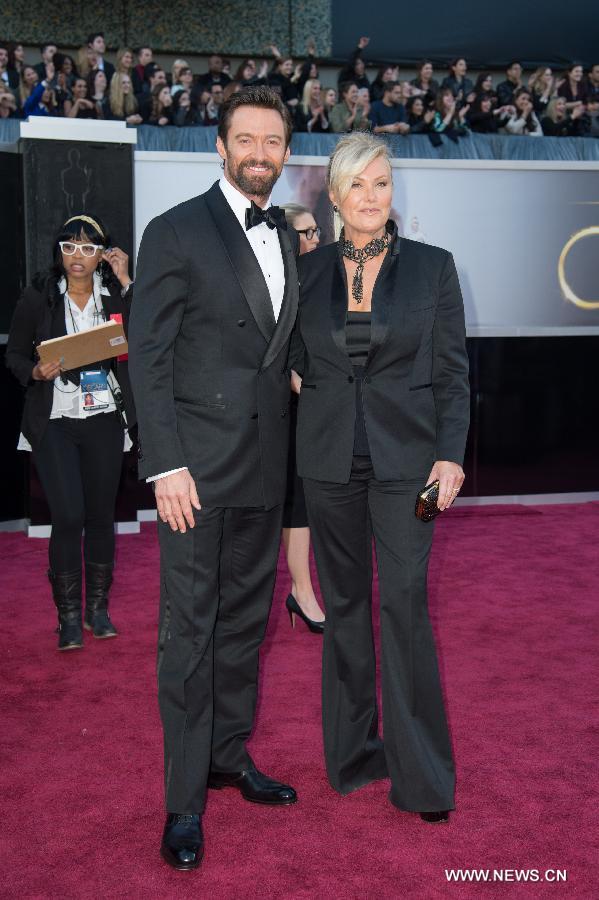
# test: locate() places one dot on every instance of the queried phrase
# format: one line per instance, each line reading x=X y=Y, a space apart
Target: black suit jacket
x=39 y=316
x=415 y=389
x=207 y=360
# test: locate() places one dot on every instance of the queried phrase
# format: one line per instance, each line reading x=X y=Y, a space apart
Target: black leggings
x=79 y=466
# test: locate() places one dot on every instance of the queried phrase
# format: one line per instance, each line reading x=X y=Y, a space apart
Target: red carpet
x=514 y=601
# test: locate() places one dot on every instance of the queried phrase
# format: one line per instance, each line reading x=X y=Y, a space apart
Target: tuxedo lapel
x=339 y=306
x=288 y=313
x=383 y=299
x=243 y=261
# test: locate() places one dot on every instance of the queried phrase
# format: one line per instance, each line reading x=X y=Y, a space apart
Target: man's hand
x=451 y=478
x=176 y=494
x=296 y=382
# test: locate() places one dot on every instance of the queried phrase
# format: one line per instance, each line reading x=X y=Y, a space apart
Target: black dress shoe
x=435 y=818
x=254 y=786
x=182 y=841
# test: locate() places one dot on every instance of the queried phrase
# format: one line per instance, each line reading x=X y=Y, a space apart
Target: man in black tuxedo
x=216 y=301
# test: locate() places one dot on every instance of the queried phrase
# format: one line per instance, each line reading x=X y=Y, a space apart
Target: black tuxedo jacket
x=207 y=359
x=40 y=316
x=415 y=387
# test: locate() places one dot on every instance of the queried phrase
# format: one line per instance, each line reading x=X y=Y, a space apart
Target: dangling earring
x=336 y=208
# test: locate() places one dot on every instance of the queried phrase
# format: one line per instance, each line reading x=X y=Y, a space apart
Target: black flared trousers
x=416 y=751
x=216 y=593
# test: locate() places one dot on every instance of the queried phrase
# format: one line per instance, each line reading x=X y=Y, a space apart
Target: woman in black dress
x=77 y=444
x=301 y=601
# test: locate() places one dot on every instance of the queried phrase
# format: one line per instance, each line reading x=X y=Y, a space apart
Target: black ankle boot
x=66 y=590
x=98 y=578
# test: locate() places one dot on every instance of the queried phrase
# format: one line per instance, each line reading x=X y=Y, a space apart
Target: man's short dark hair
x=389 y=85
x=92 y=37
x=150 y=70
x=261 y=97
x=48 y=44
x=514 y=62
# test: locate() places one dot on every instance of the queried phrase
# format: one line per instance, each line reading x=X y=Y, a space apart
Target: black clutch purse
x=426 y=502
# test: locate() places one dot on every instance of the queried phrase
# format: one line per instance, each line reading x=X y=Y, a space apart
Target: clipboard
x=103 y=342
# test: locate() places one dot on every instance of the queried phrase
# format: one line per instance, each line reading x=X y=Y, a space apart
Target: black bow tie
x=272 y=217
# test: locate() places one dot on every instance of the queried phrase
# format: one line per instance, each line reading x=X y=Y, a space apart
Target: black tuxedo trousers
x=216 y=592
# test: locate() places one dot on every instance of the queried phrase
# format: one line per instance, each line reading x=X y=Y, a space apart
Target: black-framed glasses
x=69 y=248
x=309 y=232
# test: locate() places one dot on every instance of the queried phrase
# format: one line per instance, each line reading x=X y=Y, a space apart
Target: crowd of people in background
x=139 y=91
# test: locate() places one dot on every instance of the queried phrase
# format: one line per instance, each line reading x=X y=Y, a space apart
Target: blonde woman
x=176 y=69
x=301 y=600
x=183 y=81
x=87 y=60
x=27 y=81
x=124 y=60
x=560 y=123
x=543 y=88
x=310 y=113
x=123 y=104
x=383 y=411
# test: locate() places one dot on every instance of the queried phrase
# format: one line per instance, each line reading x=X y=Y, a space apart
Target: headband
x=87 y=219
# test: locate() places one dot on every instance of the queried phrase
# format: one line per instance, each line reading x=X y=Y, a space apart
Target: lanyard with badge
x=94 y=394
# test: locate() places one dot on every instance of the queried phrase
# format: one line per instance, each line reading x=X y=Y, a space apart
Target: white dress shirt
x=264 y=241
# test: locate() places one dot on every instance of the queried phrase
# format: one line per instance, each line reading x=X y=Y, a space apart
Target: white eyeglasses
x=69 y=249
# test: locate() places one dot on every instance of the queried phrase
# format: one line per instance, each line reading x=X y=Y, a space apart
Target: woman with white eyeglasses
x=76 y=422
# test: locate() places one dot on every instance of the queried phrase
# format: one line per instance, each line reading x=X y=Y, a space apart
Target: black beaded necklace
x=361 y=257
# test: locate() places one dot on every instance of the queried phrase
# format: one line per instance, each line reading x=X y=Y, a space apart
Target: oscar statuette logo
x=567 y=291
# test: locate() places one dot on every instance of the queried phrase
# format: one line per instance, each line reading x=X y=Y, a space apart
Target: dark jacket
x=484 y=122
x=39 y=316
x=463 y=87
x=348 y=73
x=208 y=361
x=564 y=90
x=505 y=92
x=567 y=127
x=415 y=390
x=301 y=120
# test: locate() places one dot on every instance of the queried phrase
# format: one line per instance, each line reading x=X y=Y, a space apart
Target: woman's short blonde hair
x=351 y=156
x=177 y=67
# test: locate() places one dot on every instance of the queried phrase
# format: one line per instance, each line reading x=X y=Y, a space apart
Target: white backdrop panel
x=507 y=225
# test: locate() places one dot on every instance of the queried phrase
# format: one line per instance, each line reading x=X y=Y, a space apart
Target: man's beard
x=252 y=184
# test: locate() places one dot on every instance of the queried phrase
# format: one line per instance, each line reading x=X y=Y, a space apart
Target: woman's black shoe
x=98 y=578
x=294 y=609
x=435 y=818
x=66 y=591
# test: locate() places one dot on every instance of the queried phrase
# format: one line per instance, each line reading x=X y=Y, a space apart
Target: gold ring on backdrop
x=566 y=289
